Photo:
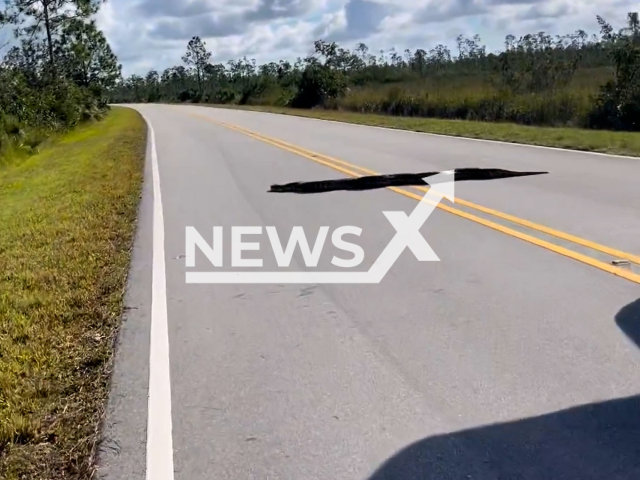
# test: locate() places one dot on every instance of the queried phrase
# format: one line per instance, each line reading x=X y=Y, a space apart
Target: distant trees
x=197 y=57
x=540 y=62
x=531 y=81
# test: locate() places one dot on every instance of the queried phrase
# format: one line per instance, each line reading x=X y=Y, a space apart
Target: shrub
x=618 y=104
x=318 y=84
x=185 y=95
x=30 y=113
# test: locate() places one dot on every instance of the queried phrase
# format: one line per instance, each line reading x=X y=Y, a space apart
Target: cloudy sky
x=148 y=34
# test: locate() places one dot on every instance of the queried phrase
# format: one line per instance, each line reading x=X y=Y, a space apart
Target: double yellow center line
x=356 y=171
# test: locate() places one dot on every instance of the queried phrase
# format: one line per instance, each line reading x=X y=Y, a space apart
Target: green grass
x=621 y=143
x=68 y=218
x=13 y=151
x=560 y=108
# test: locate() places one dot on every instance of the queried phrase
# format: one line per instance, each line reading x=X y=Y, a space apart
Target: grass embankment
x=18 y=144
x=67 y=219
x=604 y=141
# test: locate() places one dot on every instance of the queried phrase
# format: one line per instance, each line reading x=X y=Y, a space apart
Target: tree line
x=537 y=79
x=58 y=72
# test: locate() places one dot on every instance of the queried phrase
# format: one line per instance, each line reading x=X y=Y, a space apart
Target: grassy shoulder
x=68 y=219
x=24 y=144
x=603 y=141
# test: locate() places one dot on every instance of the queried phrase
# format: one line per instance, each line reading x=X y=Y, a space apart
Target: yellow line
x=335 y=164
x=526 y=223
x=505 y=216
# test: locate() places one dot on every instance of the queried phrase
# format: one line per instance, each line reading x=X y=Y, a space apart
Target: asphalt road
x=508 y=359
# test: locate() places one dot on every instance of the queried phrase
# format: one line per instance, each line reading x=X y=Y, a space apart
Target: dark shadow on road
x=628 y=319
x=599 y=441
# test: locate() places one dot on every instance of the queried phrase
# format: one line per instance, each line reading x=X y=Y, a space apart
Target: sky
x=153 y=34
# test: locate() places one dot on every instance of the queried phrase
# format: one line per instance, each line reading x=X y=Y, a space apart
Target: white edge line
x=457 y=137
x=159 y=455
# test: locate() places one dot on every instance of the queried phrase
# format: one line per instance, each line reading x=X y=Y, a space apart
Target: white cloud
x=154 y=33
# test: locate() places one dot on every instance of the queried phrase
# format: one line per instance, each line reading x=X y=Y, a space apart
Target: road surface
x=517 y=356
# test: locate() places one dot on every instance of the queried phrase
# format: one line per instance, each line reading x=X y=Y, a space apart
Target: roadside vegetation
x=68 y=219
x=601 y=141
x=70 y=175
x=575 y=80
x=53 y=75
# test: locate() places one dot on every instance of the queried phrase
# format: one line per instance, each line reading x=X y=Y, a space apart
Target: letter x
x=408 y=230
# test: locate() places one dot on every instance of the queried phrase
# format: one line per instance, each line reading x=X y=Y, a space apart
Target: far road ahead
x=517 y=356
